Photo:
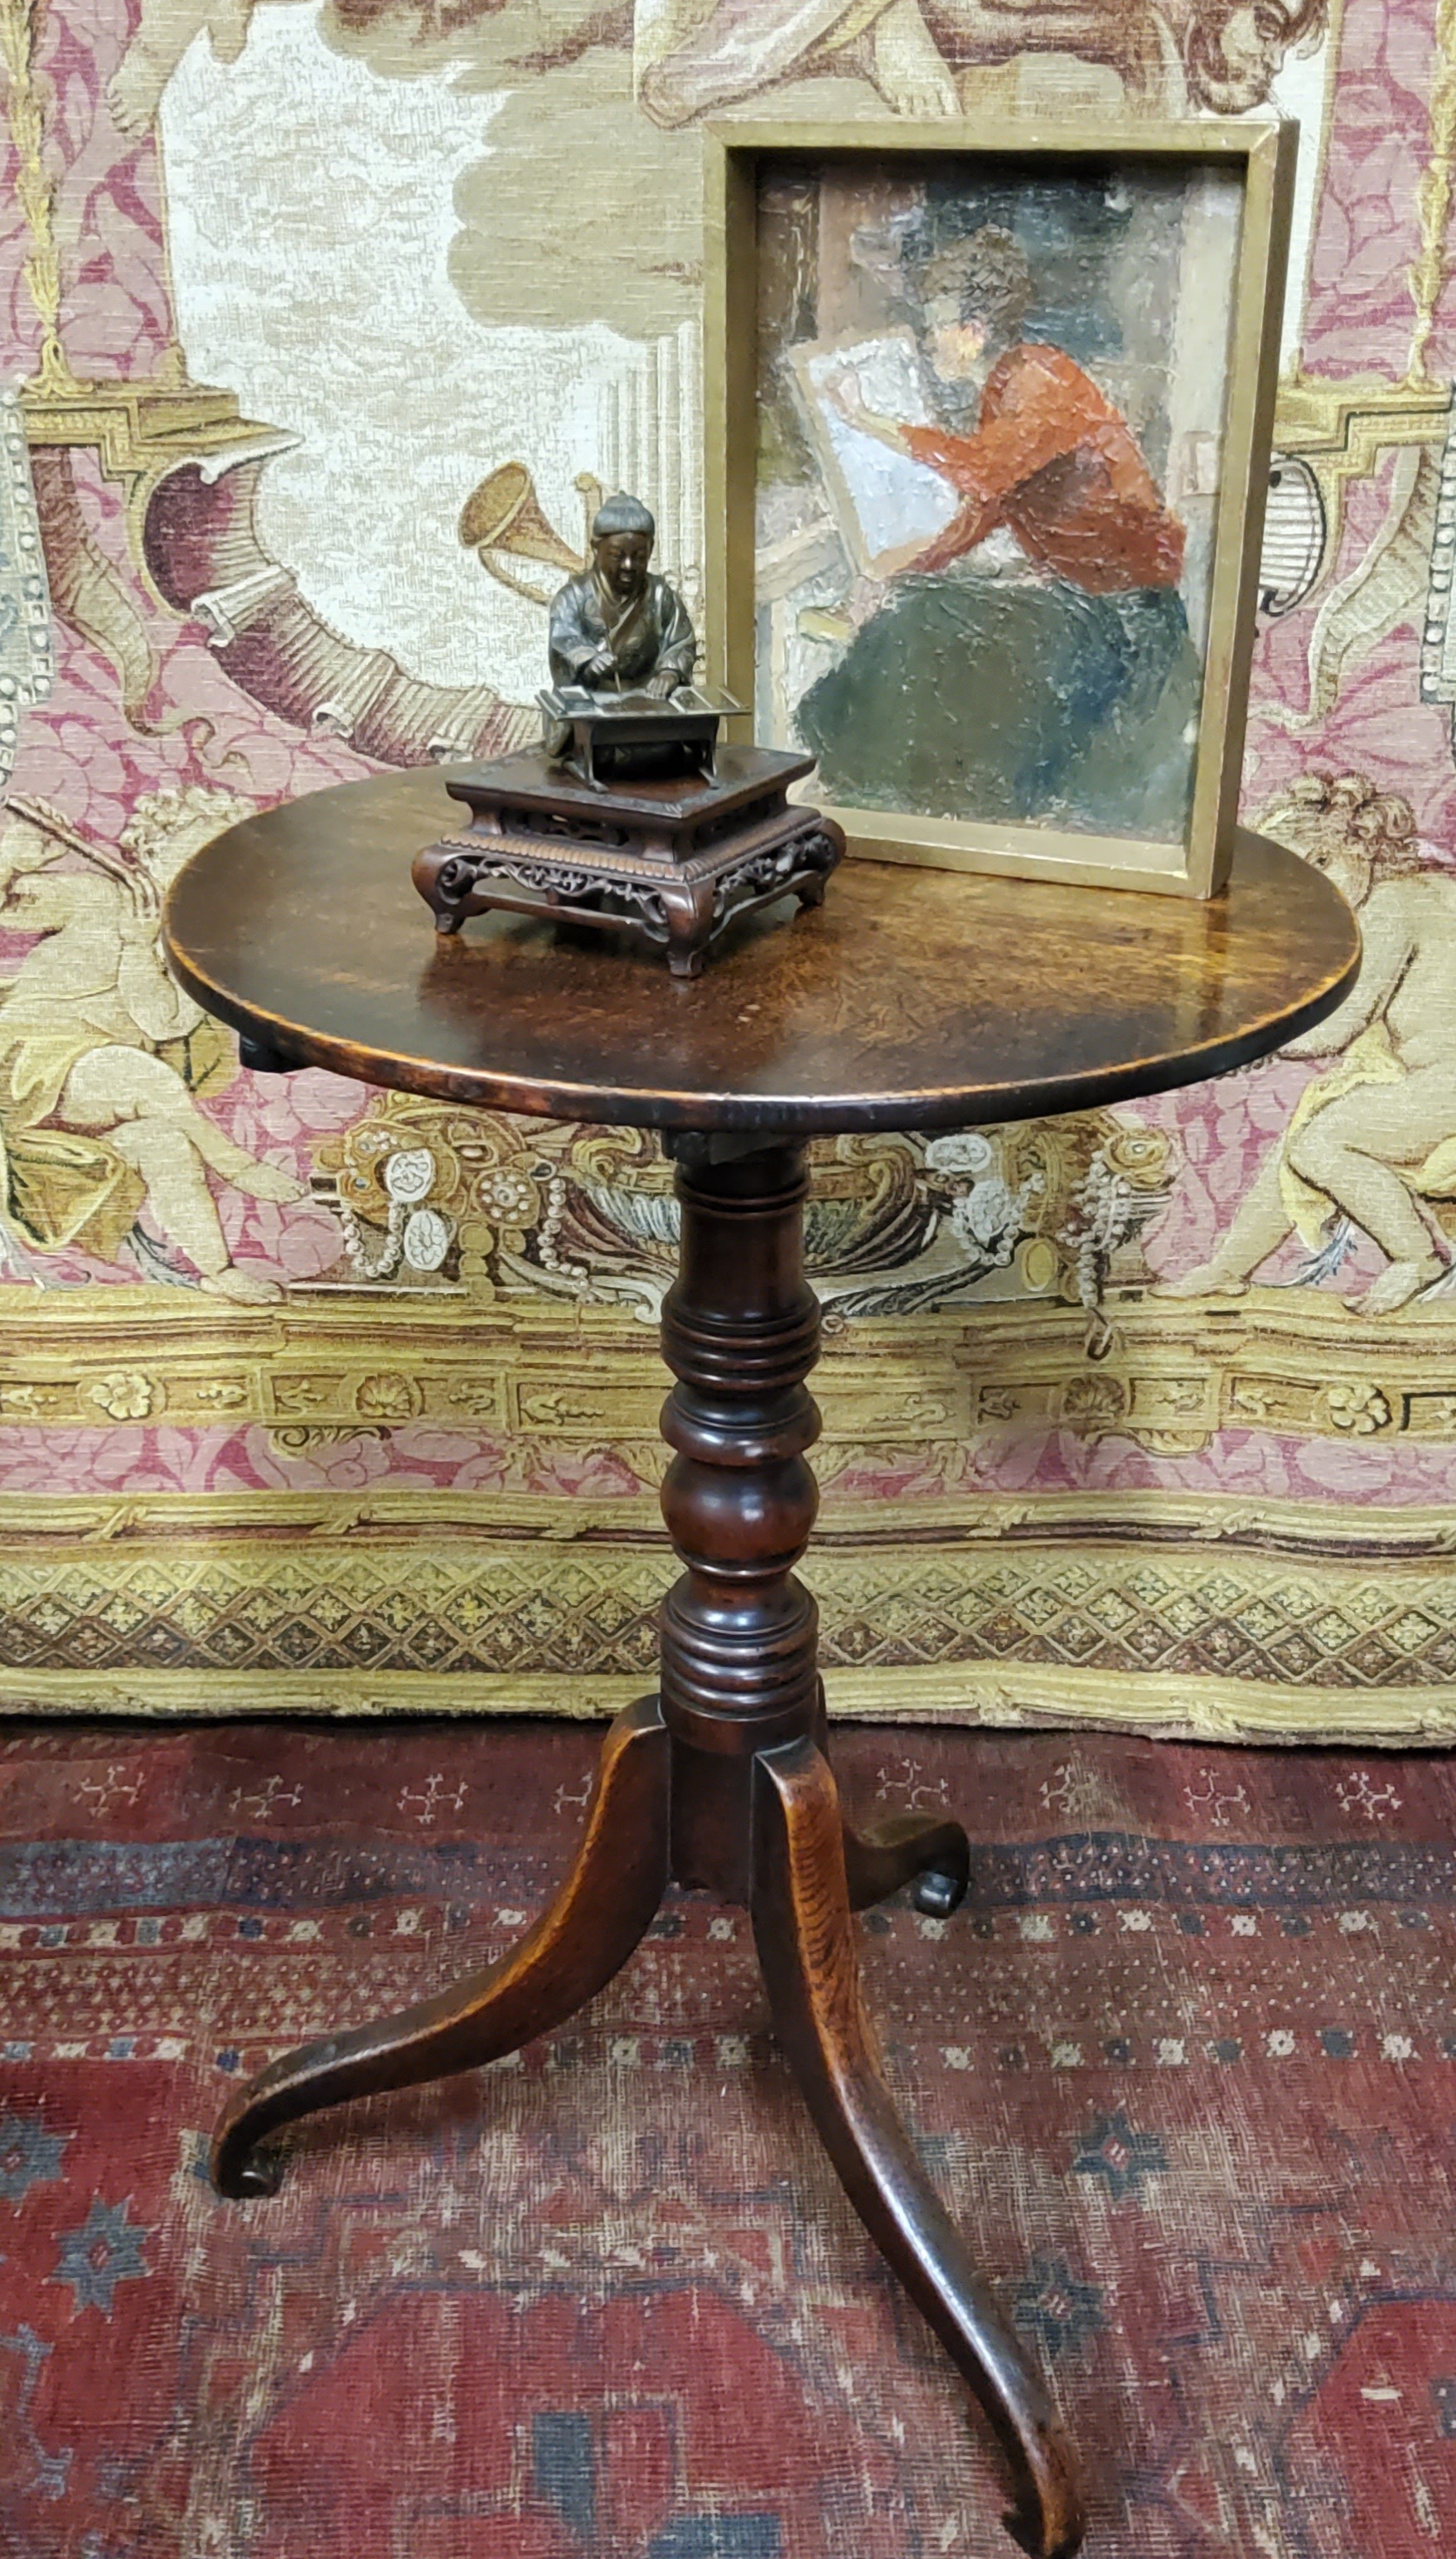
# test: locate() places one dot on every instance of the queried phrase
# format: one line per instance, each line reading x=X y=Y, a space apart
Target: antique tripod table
x=910 y=999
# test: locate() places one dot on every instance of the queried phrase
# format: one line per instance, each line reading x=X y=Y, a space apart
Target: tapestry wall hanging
x=328 y=327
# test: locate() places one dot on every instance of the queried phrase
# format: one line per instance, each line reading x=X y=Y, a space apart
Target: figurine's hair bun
x=623 y=516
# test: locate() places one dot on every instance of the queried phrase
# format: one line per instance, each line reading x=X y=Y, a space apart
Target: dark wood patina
x=912 y=998
x=599 y=738
x=669 y=863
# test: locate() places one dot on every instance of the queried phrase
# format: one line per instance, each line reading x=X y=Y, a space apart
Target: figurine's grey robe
x=648 y=635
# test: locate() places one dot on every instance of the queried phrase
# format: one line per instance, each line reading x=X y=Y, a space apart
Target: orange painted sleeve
x=1021 y=438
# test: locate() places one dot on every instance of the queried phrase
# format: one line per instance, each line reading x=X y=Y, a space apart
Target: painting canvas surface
x=1000 y=399
x=886 y=504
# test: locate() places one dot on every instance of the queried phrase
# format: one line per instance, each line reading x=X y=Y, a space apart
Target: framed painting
x=988 y=424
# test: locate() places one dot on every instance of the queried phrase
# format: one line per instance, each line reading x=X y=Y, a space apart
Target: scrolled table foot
x=908 y=1849
x=805 y=1944
x=938 y=1894
x=247 y=2174
x=594 y=1925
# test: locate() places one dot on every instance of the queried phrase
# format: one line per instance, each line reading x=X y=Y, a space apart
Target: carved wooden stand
x=670 y=862
x=721 y=1783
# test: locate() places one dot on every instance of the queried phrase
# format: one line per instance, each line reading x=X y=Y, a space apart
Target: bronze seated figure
x=619 y=626
x=626 y=815
x=622 y=704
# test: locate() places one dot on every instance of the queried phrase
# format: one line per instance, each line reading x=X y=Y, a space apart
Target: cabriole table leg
x=596 y=1921
x=805 y=1944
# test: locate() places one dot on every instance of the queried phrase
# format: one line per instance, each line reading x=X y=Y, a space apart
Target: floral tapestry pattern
x=1164 y=1396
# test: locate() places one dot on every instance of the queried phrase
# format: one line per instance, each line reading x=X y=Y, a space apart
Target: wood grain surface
x=582 y=1938
x=910 y=999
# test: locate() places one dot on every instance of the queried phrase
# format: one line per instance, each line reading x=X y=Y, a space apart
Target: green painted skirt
x=966 y=698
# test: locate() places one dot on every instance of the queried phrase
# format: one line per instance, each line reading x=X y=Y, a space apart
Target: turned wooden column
x=739 y=1630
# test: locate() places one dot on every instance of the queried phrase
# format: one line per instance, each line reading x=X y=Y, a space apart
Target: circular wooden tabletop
x=910 y=999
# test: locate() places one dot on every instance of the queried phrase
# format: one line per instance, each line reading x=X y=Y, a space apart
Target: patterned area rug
x=1185 y=2069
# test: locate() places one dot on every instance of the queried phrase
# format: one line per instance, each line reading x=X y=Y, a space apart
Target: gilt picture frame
x=988 y=418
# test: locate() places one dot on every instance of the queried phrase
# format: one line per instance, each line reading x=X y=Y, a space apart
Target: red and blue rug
x=1185 y=2069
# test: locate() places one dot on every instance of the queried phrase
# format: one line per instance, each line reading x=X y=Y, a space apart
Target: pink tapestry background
x=281 y=283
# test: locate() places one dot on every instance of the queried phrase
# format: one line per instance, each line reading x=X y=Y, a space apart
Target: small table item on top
x=671 y=857
x=598 y=736
x=910 y=999
x=622 y=819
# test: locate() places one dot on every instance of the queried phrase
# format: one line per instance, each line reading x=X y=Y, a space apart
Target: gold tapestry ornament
x=25 y=103
x=503 y=520
x=1433 y=198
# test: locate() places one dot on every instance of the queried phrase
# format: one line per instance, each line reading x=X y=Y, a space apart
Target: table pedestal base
x=721 y=1782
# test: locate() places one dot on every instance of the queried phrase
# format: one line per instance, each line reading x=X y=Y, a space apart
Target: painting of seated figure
x=993 y=405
